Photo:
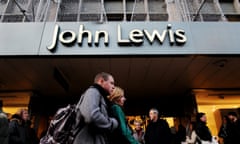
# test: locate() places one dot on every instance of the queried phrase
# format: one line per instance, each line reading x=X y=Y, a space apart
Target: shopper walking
x=94 y=110
x=122 y=135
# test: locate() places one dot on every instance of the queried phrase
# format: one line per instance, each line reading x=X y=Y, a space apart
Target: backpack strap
x=80 y=101
x=79 y=120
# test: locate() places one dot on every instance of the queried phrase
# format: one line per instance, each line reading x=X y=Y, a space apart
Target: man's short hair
x=103 y=75
x=200 y=115
x=233 y=114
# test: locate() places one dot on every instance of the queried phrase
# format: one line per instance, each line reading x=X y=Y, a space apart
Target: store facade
x=123 y=40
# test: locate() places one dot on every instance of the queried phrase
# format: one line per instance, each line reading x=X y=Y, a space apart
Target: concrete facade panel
x=20 y=39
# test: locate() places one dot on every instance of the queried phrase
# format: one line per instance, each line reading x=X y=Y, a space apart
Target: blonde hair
x=117 y=92
x=137 y=121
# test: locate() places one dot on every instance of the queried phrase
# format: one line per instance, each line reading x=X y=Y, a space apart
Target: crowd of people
x=17 y=129
x=102 y=108
x=230 y=129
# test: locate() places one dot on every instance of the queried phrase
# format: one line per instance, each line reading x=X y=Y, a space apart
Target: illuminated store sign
x=135 y=37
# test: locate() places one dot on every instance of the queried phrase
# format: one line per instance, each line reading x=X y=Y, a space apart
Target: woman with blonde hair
x=138 y=131
x=123 y=134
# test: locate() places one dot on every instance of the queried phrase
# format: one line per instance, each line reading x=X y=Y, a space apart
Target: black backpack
x=64 y=126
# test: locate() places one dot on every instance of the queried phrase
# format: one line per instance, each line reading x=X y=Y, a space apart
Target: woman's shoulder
x=116 y=107
x=117 y=110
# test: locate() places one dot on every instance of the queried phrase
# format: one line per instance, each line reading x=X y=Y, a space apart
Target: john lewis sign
x=119 y=38
x=124 y=38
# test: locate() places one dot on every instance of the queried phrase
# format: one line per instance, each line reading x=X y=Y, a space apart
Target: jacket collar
x=100 y=89
x=103 y=92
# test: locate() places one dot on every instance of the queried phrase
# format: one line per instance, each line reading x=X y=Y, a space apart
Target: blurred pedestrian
x=234 y=128
x=157 y=131
x=202 y=130
x=191 y=137
x=223 y=133
x=18 y=128
x=3 y=126
x=180 y=135
x=138 y=131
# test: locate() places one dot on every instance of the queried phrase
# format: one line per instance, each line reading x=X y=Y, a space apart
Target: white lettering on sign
x=135 y=37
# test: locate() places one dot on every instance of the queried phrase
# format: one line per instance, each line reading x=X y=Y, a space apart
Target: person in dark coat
x=3 y=126
x=233 y=128
x=157 y=131
x=138 y=131
x=123 y=134
x=18 y=130
x=94 y=109
x=202 y=130
x=181 y=134
x=223 y=133
x=32 y=133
